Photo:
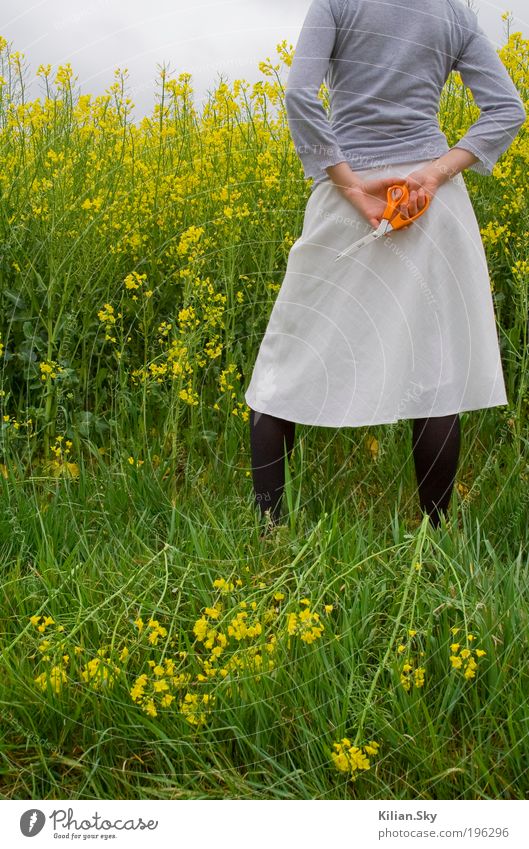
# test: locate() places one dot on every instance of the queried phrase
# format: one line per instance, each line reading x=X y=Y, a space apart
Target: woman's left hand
x=369 y=197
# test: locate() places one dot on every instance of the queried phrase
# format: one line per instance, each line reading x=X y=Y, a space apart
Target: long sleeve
x=314 y=140
x=502 y=110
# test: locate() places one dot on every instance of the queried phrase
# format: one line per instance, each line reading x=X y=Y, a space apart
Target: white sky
x=204 y=38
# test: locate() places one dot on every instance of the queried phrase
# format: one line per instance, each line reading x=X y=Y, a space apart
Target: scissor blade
x=360 y=244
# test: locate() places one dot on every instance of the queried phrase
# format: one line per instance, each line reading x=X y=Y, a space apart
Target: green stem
x=417 y=556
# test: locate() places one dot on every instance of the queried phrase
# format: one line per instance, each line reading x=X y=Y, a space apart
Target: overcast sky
x=202 y=37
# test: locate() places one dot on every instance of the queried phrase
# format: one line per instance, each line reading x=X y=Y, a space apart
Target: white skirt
x=404 y=328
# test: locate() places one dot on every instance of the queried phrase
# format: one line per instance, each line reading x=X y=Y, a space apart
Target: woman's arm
x=314 y=140
x=501 y=117
x=428 y=179
x=502 y=109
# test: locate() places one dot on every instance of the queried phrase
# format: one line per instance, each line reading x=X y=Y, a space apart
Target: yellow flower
x=149 y=707
x=134 y=280
x=470 y=669
x=352 y=759
x=196 y=709
x=419 y=676
x=305 y=624
x=56 y=678
x=200 y=629
x=372 y=446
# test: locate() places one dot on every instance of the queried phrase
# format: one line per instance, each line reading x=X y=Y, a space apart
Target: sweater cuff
x=484 y=165
x=316 y=158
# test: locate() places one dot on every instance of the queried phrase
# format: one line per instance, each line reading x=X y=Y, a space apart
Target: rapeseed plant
x=353 y=759
x=121 y=211
x=465 y=659
x=412 y=673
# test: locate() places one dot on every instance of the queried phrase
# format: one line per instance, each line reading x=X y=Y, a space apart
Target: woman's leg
x=269 y=436
x=435 y=444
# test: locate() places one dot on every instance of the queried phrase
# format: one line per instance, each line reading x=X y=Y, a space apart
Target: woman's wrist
x=436 y=173
x=451 y=163
x=343 y=176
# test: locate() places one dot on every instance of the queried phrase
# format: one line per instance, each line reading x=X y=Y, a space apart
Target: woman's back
x=385 y=64
x=394 y=58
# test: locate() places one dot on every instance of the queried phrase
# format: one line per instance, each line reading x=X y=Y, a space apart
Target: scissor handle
x=395 y=200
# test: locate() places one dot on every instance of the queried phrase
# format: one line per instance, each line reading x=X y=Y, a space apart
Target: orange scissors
x=388 y=222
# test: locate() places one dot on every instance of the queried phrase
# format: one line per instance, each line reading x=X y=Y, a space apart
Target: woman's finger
x=412 y=203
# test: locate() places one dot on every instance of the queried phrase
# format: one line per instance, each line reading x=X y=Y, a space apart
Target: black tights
x=435 y=445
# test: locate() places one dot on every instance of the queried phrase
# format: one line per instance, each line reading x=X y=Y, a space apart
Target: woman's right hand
x=421 y=183
x=369 y=197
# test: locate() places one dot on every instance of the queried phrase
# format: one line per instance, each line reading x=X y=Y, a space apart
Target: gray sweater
x=385 y=64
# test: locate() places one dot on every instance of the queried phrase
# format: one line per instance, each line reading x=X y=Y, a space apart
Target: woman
x=405 y=327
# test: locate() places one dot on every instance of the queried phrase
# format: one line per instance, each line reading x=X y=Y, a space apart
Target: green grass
x=95 y=553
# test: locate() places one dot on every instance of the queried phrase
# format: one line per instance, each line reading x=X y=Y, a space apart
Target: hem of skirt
x=372 y=422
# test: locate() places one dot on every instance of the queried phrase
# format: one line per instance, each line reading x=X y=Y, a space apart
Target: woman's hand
x=369 y=197
x=421 y=183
